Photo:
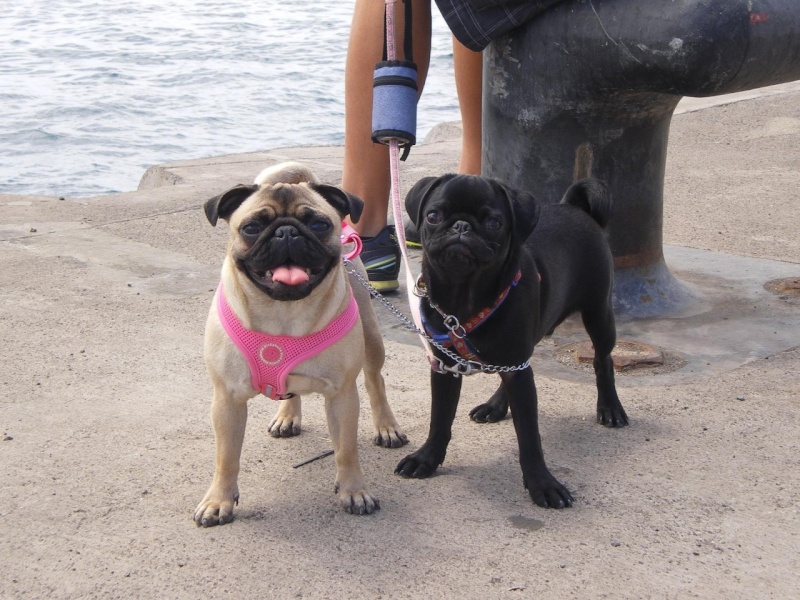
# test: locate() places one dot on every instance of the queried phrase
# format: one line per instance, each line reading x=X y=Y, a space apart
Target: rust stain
x=756 y=18
x=642 y=259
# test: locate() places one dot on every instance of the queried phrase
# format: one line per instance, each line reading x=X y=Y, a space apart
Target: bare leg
x=365 y=171
x=469 y=83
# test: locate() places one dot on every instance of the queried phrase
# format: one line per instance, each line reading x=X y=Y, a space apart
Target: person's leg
x=365 y=170
x=468 y=67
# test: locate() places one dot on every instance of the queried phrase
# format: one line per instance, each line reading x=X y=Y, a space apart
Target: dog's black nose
x=462 y=227
x=286 y=232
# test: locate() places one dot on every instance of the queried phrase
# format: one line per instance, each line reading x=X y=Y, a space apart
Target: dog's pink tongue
x=290 y=275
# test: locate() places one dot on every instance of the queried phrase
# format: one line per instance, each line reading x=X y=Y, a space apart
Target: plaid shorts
x=475 y=23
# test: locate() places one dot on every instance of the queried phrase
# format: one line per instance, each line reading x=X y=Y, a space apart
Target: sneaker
x=412 y=235
x=381 y=258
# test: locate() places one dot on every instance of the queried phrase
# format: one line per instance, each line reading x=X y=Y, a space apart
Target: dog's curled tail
x=589 y=194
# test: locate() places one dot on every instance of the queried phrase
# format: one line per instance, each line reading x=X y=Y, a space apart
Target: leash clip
x=420 y=287
x=466 y=368
x=454 y=327
x=451 y=322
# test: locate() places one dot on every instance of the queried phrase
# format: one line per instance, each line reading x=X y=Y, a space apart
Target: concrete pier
x=106 y=445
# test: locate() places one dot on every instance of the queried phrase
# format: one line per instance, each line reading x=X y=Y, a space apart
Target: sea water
x=93 y=92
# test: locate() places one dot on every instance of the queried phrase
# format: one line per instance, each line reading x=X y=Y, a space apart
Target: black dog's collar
x=456 y=332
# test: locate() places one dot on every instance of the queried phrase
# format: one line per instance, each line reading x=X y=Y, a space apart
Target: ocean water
x=93 y=92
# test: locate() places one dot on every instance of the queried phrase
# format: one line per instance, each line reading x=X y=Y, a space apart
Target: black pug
x=496 y=251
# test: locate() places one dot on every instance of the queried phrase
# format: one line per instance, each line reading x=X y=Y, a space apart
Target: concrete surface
x=107 y=445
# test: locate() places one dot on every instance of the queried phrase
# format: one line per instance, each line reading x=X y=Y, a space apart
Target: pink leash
x=397 y=211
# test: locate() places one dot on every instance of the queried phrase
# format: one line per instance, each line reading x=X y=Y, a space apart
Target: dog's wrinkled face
x=285 y=242
x=468 y=224
x=285 y=237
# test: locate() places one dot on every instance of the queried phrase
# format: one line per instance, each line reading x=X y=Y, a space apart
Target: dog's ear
x=525 y=210
x=225 y=204
x=419 y=193
x=344 y=203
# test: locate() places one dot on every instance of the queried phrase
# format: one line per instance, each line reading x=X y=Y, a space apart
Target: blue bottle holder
x=394 y=103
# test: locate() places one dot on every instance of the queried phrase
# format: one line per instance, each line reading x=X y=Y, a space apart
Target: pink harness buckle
x=350 y=236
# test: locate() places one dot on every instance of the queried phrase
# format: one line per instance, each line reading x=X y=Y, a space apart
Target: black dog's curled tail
x=589 y=194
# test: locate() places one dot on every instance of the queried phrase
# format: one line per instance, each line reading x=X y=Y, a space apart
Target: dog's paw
x=612 y=416
x=282 y=427
x=215 y=509
x=493 y=410
x=390 y=437
x=547 y=492
x=357 y=503
x=418 y=465
x=488 y=413
x=286 y=422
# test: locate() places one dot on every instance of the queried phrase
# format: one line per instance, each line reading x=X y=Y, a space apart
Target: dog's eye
x=252 y=229
x=319 y=226
x=493 y=223
x=434 y=217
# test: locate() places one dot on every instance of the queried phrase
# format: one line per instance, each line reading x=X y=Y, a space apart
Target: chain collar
x=456 y=336
x=451 y=322
x=461 y=366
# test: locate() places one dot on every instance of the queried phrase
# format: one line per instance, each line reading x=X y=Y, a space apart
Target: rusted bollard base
x=652 y=291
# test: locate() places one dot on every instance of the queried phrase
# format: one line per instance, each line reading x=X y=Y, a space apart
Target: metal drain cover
x=626 y=355
x=788 y=285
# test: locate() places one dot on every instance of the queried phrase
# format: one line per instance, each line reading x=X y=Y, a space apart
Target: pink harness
x=272 y=357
